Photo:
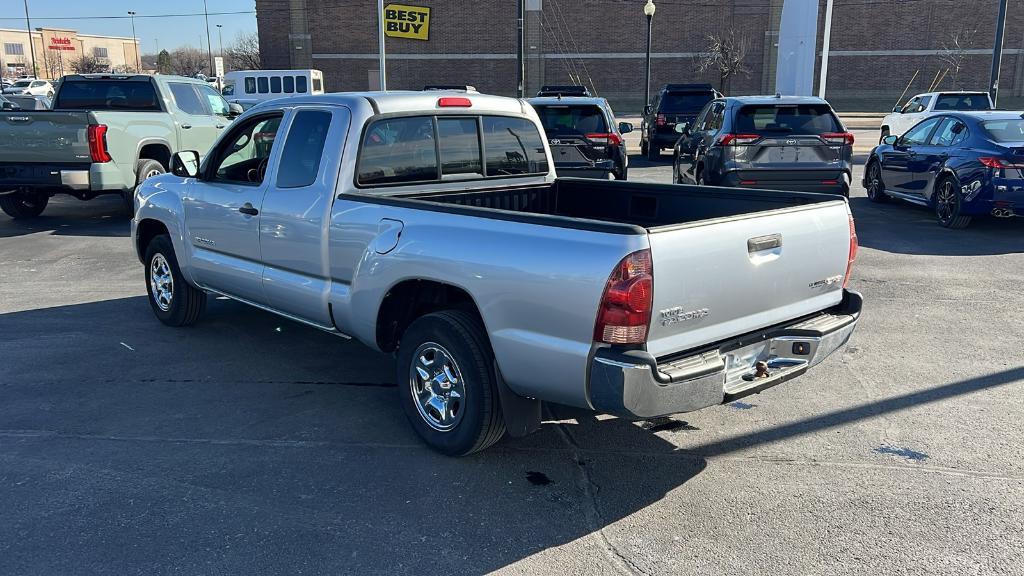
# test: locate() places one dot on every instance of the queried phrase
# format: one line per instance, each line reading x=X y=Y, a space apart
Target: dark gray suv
x=783 y=143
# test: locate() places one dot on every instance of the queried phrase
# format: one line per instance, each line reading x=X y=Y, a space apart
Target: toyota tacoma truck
x=432 y=226
x=104 y=135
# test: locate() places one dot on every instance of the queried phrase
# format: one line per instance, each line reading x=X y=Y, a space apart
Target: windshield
x=789 y=119
x=1011 y=130
x=963 y=102
x=22 y=83
x=559 y=120
x=106 y=95
x=685 y=102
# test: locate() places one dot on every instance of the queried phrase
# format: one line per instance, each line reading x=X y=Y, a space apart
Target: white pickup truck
x=924 y=105
x=431 y=225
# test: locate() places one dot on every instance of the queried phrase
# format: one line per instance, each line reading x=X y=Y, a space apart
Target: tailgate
x=44 y=137
x=721 y=278
x=782 y=152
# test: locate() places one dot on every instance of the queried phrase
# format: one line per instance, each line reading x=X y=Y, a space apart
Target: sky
x=162 y=30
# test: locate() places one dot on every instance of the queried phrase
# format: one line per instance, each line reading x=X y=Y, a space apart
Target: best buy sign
x=401 y=21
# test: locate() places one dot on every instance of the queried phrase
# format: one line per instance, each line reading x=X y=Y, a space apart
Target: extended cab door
x=198 y=128
x=222 y=209
x=296 y=209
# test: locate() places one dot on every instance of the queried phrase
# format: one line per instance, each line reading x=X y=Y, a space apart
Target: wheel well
x=145 y=232
x=408 y=300
x=158 y=152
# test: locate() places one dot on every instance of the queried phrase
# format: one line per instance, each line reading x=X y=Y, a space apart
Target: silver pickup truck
x=432 y=225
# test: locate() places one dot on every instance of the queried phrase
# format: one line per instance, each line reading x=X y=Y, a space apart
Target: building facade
x=878 y=48
x=57 y=49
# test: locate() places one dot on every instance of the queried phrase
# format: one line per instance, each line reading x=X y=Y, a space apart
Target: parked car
x=431 y=225
x=27 y=102
x=924 y=105
x=564 y=90
x=673 y=104
x=774 y=142
x=31 y=87
x=105 y=135
x=250 y=87
x=584 y=138
x=961 y=165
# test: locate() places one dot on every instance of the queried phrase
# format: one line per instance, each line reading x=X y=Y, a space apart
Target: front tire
x=447 y=383
x=174 y=301
x=948 y=205
x=875 y=186
x=24 y=204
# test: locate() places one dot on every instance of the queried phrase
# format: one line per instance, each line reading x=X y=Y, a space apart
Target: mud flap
x=521 y=414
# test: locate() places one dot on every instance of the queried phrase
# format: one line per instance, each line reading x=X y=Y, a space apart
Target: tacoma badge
x=678 y=314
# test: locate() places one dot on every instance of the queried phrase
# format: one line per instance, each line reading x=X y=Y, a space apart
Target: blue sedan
x=960 y=164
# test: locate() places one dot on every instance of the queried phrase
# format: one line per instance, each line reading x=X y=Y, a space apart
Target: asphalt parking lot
x=251 y=444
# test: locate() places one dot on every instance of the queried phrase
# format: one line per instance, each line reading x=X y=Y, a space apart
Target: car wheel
x=24 y=204
x=699 y=180
x=947 y=204
x=675 y=170
x=643 y=147
x=653 y=152
x=874 y=185
x=144 y=170
x=447 y=383
x=174 y=301
x=885 y=132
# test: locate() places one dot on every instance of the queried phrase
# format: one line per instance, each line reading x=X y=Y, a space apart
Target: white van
x=250 y=87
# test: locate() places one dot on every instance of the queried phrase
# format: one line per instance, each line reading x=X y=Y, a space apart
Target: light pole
x=209 y=46
x=997 y=52
x=138 y=60
x=649 y=13
x=220 y=38
x=380 y=41
x=31 y=43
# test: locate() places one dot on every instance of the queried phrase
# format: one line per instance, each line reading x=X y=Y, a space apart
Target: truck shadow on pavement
x=903 y=228
x=66 y=216
x=252 y=444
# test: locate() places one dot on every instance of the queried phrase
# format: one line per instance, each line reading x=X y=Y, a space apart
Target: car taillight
x=737 y=139
x=993 y=162
x=454 y=102
x=610 y=139
x=853 y=252
x=625 y=310
x=98 y=143
x=660 y=120
x=838 y=138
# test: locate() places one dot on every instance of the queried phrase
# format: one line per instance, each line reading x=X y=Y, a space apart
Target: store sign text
x=61 y=43
x=401 y=21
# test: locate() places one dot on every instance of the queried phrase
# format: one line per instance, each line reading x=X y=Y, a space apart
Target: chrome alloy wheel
x=436 y=385
x=152 y=173
x=161 y=282
x=945 y=201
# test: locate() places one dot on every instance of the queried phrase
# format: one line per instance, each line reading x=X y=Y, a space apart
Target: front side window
x=229 y=89
x=911 y=105
x=250 y=85
x=919 y=134
x=263 y=85
x=300 y=84
x=186 y=99
x=275 y=84
x=214 y=101
x=459 y=143
x=300 y=159
x=397 y=150
x=923 y=105
x=513 y=146
x=244 y=156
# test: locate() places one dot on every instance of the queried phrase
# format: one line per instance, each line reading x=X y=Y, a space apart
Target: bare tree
x=86 y=64
x=244 y=54
x=954 y=52
x=726 y=52
x=188 y=61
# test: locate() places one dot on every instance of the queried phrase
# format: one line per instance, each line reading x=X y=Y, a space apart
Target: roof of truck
x=394 y=101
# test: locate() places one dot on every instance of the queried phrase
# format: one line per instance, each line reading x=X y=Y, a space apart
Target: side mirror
x=683 y=128
x=896 y=109
x=235 y=110
x=185 y=164
x=891 y=139
x=625 y=127
x=647 y=110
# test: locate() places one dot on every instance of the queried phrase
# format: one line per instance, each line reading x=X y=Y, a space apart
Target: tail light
x=737 y=139
x=838 y=138
x=454 y=102
x=610 y=139
x=625 y=310
x=98 y=143
x=853 y=252
x=660 y=120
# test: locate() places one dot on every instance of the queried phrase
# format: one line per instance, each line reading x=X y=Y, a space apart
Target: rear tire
x=174 y=301
x=947 y=204
x=24 y=204
x=875 y=187
x=653 y=152
x=447 y=383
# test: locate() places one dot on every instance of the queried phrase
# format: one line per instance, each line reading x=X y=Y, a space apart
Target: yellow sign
x=401 y=21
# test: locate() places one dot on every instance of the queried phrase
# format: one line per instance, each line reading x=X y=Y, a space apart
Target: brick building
x=56 y=48
x=877 y=46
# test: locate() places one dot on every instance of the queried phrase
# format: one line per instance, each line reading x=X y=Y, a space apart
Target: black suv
x=673 y=104
x=774 y=142
x=585 y=141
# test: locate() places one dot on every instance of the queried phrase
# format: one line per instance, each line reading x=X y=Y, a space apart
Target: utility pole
x=209 y=46
x=138 y=59
x=997 y=53
x=380 y=36
x=823 y=78
x=31 y=43
x=521 y=68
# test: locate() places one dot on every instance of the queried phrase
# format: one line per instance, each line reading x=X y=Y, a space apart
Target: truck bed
x=648 y=206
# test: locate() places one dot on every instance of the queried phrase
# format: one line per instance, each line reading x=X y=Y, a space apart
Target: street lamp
x=220 y=38
x=135 y=39
x=649 y=13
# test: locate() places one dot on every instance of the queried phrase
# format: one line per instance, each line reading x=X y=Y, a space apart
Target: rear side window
x=513 y=146
x=559 y=120
x=962 y=102
x=106 y=95
x=1011 y=130
x=300 y=161
x=397 y=150
x=789 y=119
x=250 y=85
x=263 y=85
x=289 y=84
x=186 y=99
x=275 y=84
x=300 y=84
x=459 y=143
x=684 y=102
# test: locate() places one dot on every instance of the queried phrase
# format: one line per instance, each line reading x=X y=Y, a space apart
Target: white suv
x=31 y=87
x=923 y=105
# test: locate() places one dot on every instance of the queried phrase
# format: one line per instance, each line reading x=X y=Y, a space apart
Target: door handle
x=220 y=126
x=186 y=126
x=248 y=209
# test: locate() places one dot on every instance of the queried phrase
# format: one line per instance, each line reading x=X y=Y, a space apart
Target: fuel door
x=388 y=233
